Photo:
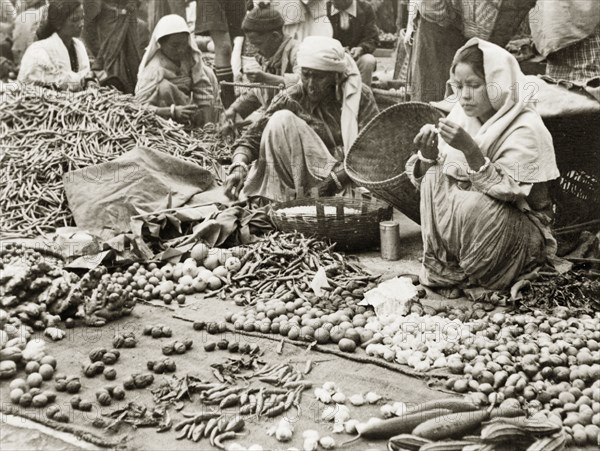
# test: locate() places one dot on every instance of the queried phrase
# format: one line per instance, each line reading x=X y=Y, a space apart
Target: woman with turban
x=302 y=138
x=172 y=76
x=485 y=207
x=59 y=58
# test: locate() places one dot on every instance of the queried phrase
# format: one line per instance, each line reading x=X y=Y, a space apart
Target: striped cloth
x=579 y=62
x=478 y=17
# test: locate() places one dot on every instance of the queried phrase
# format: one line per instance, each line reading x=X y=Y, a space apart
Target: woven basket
x=385 y=98
x=378 y=157
x=351 y=231
x=577 y=145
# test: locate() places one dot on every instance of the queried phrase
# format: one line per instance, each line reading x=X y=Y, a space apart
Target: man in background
x=222 y=20
x=115 y=35
x=353 y=23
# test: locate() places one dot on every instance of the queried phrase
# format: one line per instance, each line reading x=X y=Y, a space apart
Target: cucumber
x=404 y=424
x=451 y=425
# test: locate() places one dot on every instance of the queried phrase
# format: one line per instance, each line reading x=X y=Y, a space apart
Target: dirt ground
x=351 y=377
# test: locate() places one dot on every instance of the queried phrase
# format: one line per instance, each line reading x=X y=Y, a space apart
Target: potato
x=46 y=371
x=34 y=380
x=15 y=395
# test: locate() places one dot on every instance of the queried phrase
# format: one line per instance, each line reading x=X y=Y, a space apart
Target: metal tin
x=389 y=234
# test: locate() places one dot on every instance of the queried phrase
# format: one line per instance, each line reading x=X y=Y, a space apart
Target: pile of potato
x=548 y=362
x=337 y=320
x=206 y=269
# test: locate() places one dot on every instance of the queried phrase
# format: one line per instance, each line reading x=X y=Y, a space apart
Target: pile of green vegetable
x=44 y=134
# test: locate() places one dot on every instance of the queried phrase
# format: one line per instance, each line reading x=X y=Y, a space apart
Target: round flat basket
x=353 y=224
x=378 y=157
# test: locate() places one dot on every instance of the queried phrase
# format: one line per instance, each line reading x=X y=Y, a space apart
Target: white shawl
x=47 y=61
x=514 y=138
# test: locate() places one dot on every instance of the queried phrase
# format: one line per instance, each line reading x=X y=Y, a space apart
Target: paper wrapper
x=394 y=296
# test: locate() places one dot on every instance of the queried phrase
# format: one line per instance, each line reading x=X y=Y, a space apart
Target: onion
x=342 y=415
x=350 y=426
x=339 y=398
x=329 y=386
x=329 y=413
x=372 y=397
x=327 y=442
x=357 y=400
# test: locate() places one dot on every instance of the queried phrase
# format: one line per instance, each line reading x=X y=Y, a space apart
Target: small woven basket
x=352 y=231
x=378 y=157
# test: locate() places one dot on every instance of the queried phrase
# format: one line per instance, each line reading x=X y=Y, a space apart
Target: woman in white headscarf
x=172 y=76
x=300 y=141
x=485 y=207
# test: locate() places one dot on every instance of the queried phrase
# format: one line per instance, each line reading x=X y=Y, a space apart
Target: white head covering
x=527 y=155
x=328 y=54
x=169 y=24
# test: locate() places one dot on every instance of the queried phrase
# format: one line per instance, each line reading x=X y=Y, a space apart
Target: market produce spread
x=523 y=368
x=531 y=379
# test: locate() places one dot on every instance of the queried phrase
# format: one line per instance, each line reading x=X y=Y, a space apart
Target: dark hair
x=58 y=13
x=473 y=56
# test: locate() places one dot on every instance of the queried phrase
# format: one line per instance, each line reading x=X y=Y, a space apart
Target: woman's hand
x=427 y=140
x=327 y=187
x=356 y=52
x=460 y=139
x=227 y=128
x=457 y=137
x=184 y=113
x=235 y=181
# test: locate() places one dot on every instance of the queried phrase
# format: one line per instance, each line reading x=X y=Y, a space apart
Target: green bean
x=45 y=134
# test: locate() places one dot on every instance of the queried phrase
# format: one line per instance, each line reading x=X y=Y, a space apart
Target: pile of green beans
x=44 y=134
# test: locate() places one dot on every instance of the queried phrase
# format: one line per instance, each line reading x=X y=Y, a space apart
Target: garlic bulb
x=387 y=411
x=329 y=386
x=400 y=408
x=350 y=426
x=329 y=413
x=372 y=397
x=322 y=395
x=342 y=415
x=338 y=428
x=339 y=398
x=327 y=442
x=357 y=400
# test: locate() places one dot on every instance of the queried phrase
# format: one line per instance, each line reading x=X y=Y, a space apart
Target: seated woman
x=299 y=142
x=485 y=208
x=59 y=58
x=172 y=78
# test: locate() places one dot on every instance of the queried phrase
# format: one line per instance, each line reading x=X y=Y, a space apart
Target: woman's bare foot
x=449 y=292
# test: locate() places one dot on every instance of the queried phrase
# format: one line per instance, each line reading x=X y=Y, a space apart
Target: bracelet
x=238 y=164
x=481 y=169
x=336 y=180
x=426 y=160
x=173 y=111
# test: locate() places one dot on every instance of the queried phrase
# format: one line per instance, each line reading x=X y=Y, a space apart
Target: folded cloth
x=140 y=181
